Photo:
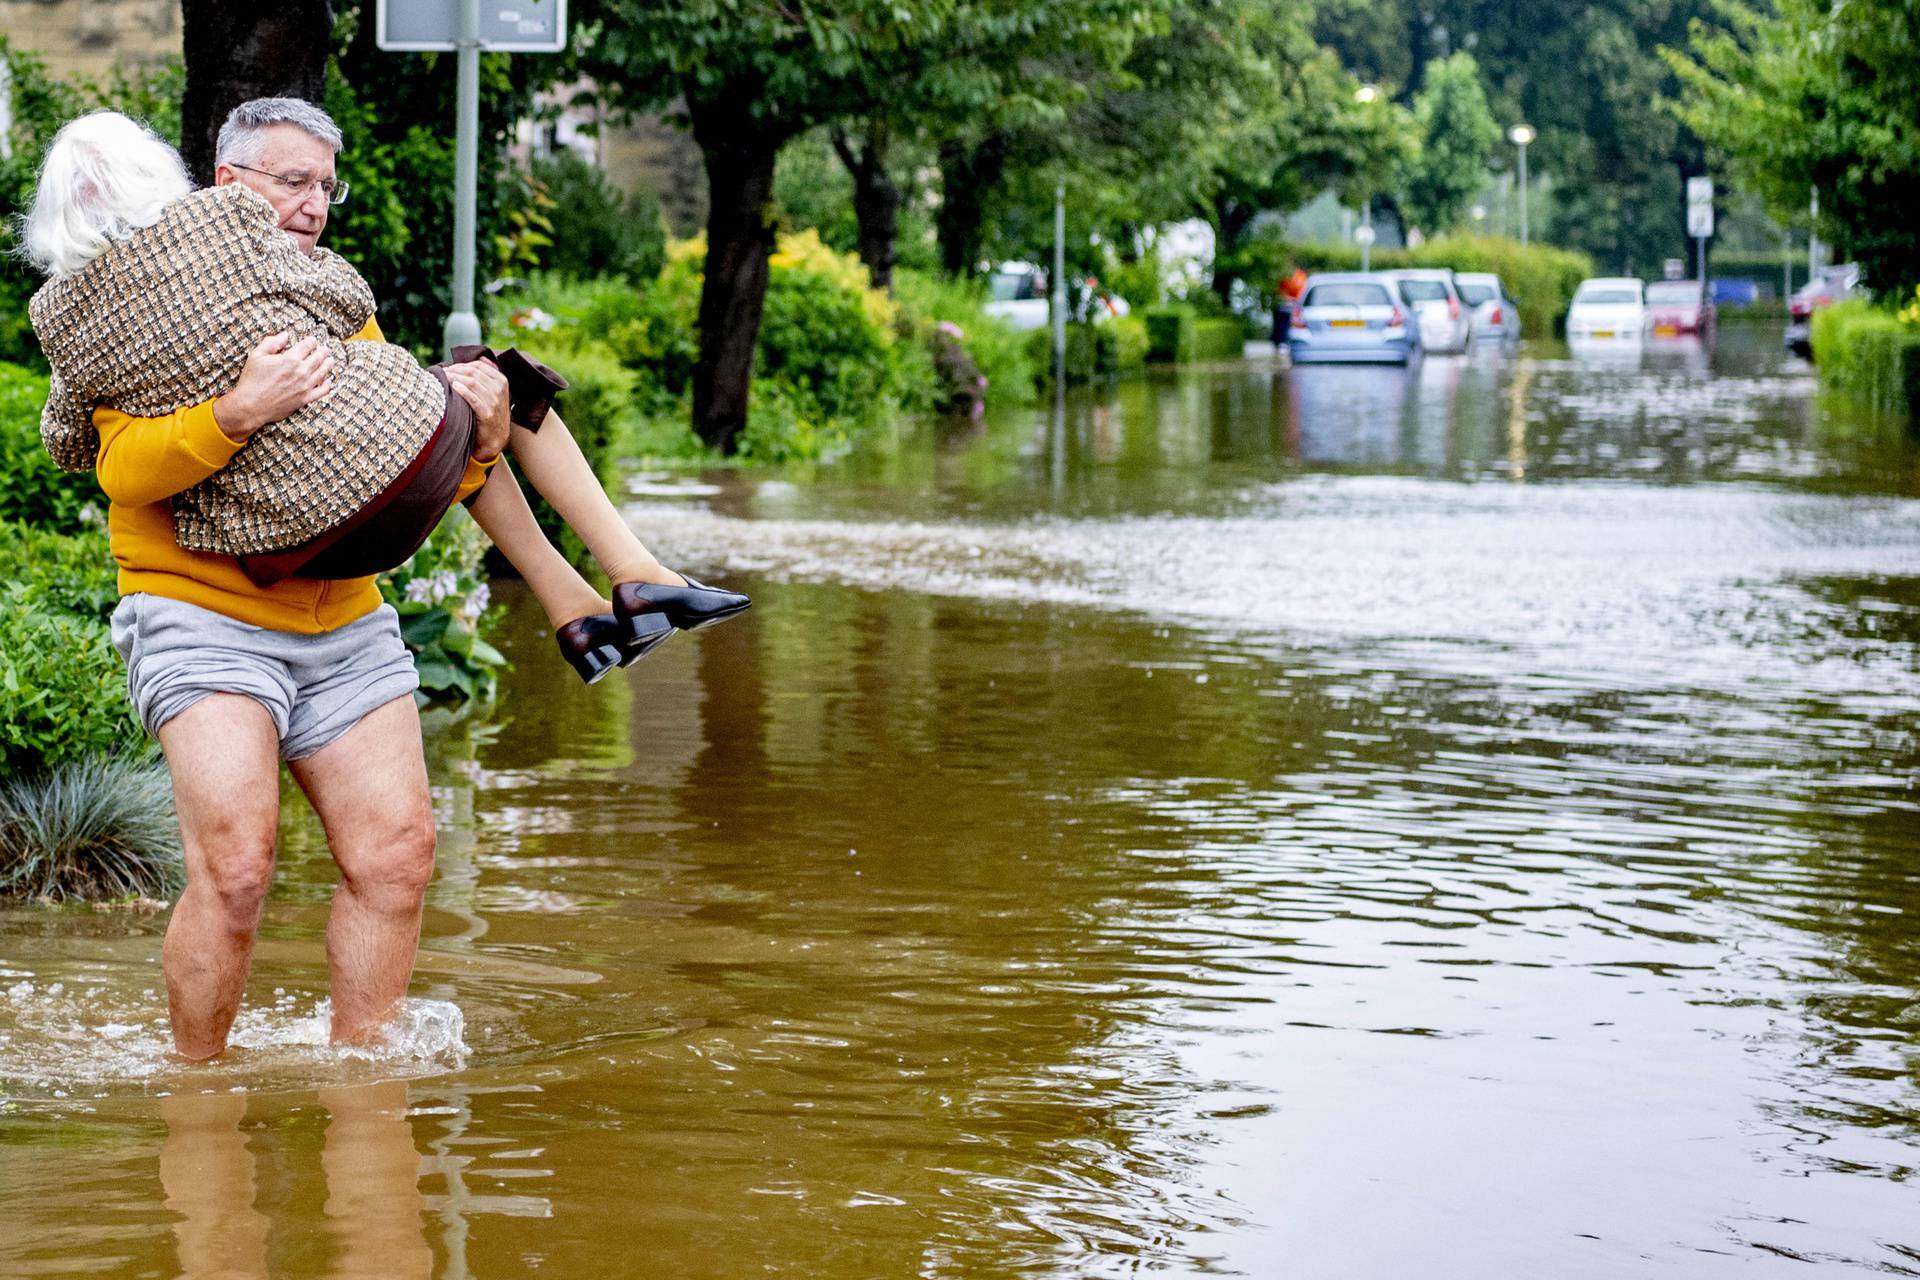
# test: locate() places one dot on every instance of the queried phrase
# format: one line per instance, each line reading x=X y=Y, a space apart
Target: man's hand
x=281 y=376
x=484 y=388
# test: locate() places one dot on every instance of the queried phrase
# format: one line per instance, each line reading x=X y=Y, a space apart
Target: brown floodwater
x=1339 y=822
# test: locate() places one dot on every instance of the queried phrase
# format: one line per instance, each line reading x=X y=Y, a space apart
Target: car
x=1608 y=307
x=1494 y=313
x=1829 y=285
x=1351 y=316
x=1017 y=294
x=1444 y=326
x=1676 y=307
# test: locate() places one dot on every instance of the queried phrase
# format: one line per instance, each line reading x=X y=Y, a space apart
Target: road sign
x=506 y=26
x=1699 y=191
x=1699 y=220
x=1363 y=234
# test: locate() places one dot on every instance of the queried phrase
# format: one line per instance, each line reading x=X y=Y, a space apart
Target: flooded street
x=1338 y=822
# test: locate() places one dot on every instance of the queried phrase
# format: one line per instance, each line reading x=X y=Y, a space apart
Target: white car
x=1613 y=307
x=1445 y=326
x=1495 y=314
x=1017 y=294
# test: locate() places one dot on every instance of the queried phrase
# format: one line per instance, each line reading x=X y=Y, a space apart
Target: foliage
x=1588 y=77
x=1458 y=137
x=1095 y=352
x=1812 y=95
x=37 y=491
x=441 y=596
x=596 y=229
x=998 y=350
x=1871 y=354
x=62 y=688
x=1176 y=335
x=100 y=828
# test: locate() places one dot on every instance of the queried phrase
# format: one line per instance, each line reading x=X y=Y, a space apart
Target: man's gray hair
x=243 y=138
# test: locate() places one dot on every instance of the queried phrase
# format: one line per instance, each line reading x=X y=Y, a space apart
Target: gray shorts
x=316 y=687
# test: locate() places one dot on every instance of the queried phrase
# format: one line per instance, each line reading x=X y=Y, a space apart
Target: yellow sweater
x=145 y=461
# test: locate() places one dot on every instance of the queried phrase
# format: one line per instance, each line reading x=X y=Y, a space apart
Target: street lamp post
x=1522 y=134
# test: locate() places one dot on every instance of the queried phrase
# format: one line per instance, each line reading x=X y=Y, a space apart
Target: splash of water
x=63 y=1039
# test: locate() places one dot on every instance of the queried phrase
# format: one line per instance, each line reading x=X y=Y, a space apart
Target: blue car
x=1351 y=317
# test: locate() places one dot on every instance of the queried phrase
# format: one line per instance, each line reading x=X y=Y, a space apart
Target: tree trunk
x=740 y=154
x=876 y=200
x=237 y=52
x=1230 y=221
x=967 y=173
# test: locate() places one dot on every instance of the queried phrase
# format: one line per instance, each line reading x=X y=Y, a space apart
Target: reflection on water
x=1452 y=823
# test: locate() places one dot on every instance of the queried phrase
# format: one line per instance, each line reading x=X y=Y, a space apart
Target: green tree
x=1817 y=95
x=1458 y=138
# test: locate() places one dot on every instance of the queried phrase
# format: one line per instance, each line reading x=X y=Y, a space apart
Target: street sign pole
x=1700 y=221
x=1058 y=294
x=463 y=325
x=464 y=28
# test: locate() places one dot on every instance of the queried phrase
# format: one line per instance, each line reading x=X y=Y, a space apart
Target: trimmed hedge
x=1868 y=353
x=1095 y=352
x=1176 y=335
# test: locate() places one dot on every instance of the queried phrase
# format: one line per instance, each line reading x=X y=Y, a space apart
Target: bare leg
x=555 y=466
x=501 y=510
x=224 y=755
x=370 y=789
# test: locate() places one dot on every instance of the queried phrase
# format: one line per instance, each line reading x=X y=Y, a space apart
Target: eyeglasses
x=298 y=184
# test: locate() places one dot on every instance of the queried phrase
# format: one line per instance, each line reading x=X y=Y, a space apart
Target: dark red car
x=1677 y=307
x=1833 y=284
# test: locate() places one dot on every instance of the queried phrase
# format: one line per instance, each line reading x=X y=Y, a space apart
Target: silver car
x=1350 y=316
x=1444 y=324
x=1494 y=312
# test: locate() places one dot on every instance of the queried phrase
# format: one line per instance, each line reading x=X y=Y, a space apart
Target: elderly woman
x=156 y=296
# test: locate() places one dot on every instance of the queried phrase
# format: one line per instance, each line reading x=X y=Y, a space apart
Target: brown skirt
x=386 y=532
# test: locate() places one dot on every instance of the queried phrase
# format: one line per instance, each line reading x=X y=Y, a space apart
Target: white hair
x=105 y=176
x=243 y=138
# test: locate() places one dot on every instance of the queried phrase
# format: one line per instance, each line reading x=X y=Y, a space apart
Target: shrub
x=1219 y=338
x=1169 y=335
x=101 y=828
x=1867 y=352
x=1095 y=352
x=1000 y=351
x=441 y=596
x=63 y=692
x=36 y=491
x=597 y=230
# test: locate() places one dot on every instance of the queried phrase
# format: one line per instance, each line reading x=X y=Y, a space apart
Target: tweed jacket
x=165 y=319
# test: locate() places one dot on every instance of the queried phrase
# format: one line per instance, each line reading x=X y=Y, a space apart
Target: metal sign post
x=466 y=27
x=1700 y=219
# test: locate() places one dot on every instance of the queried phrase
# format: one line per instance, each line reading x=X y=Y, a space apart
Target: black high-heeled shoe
x=597 y=644
x=689 y=608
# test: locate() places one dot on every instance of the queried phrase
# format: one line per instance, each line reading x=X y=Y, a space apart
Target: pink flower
x=952 y=330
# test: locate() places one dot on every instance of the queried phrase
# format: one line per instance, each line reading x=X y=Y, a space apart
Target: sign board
x=506 y=26
x=1363 y=234
x=1699 y=221
x=1699 y=191
x=1674 y=269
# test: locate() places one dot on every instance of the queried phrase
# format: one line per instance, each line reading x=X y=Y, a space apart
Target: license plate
x=1603 y=333
x=1346 y=324
x=1667 y=330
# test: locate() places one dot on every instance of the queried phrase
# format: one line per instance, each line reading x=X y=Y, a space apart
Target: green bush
x=62 y=688
x=1000 y=351
x=36 y=491
x=1095 y=352
x=597 y=229
x=441 y=596
x=1219 y=339
x=1169 y=335
x=1865 y=351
